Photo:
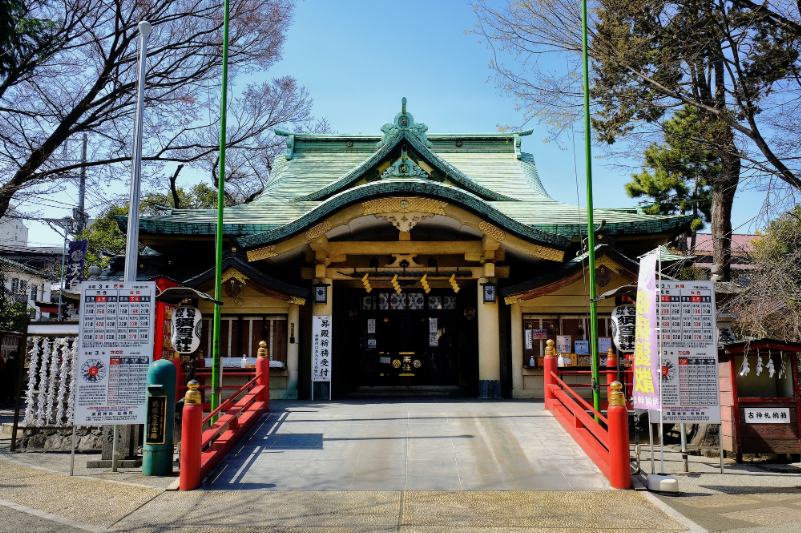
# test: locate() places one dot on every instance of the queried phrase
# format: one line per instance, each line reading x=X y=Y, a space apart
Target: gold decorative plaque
x=404 y=205
x=491 y=231
x=319 y=229
x=261 y=253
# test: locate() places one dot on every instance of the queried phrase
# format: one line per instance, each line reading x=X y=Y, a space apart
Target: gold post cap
x=262 y=352
x=192 y=396
x=550 y=351
x=616 y=397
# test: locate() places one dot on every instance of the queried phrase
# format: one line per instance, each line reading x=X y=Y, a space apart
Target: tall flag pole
x=216 y=363
x=596 y=393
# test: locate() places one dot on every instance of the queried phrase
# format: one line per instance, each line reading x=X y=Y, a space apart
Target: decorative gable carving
x=404 y=168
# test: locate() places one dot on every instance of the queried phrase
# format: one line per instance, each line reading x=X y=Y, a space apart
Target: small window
x=34 y=293
x=14 y=285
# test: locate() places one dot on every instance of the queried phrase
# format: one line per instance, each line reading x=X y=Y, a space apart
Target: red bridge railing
x=202 y=450
x=604 y=438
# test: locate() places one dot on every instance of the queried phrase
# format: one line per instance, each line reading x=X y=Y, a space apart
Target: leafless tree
x=89 y=85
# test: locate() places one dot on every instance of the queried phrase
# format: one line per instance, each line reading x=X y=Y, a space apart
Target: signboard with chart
x=114 y=352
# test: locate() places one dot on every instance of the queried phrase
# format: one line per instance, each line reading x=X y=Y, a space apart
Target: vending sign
x=114 y=352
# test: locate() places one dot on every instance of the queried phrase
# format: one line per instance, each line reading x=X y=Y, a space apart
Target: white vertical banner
x=321 y=348
x=114 y=352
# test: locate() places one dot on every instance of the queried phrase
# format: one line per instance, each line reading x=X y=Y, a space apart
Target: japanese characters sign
x=321 y=348
x=563 y=344
x=114 y=352
x=76 y=257
x=690 y=386
x=767 y=415
x=646 y=349
x=186 y=324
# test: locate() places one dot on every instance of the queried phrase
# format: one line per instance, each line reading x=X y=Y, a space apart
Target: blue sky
x=359 y=57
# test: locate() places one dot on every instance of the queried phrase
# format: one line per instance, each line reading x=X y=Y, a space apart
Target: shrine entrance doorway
x=411 y=339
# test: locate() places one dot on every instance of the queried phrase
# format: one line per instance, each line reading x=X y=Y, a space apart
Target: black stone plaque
x=156 y=419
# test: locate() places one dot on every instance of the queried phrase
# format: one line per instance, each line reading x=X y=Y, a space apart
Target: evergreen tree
x=676 y=175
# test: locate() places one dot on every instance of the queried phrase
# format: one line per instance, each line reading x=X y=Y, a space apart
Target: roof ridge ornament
x=403 y=123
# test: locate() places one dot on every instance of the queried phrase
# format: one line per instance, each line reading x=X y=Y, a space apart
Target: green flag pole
x=216 y=363
x=596 y=393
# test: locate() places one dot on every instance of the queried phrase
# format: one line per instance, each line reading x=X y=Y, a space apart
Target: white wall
x=30 y=281
x=12 y=231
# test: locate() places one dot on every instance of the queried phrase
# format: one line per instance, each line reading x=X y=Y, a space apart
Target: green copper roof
x=484 y=173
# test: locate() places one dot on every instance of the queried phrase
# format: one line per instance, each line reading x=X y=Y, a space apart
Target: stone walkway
x=397 y=445
x=54 y=502
x=747 y=498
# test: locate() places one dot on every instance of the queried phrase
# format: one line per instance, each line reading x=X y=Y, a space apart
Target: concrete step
x=396 y=391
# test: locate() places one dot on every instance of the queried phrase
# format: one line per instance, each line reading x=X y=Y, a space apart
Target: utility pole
x=596 y=393
x=81 y=215
x=216 y=373
x=132 y=244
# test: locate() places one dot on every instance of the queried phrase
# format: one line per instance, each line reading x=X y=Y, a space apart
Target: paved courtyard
x=398 y=445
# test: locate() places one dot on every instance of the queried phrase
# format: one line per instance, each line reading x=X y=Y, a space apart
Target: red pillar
x=611 y=362
x=191 y=437
x=619 y=452
x=179 y=376
x=549 y=368
x=263 y=371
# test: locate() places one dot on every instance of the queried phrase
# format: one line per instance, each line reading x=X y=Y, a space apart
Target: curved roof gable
x=407 y=186
x=403 y=129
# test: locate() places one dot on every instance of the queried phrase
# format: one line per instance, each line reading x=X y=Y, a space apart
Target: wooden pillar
x=489 y=352
x=292 y=353
x=517 y=348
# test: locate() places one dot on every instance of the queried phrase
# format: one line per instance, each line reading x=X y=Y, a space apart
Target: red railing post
x=611 y=362
x=191 y=437
x=263 y=371
x=179 y=375
x=549 y=368
x=619 y=452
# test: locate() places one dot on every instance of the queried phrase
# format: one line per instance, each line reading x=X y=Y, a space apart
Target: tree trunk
x=724 y=188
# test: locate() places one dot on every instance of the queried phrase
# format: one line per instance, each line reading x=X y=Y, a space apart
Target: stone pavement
x=415 y=445
x=747 y=498
x=98 y=504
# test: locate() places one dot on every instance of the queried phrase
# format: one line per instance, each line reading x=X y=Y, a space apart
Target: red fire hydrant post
x=549 y=369
x=263 y=371
x=191 y=437
x=619 y=452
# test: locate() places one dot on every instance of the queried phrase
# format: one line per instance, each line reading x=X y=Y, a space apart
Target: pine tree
x=676 y=175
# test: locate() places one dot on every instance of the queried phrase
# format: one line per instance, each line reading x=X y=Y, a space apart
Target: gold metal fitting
x=550 y=351
x=616 y=397
x=262 y=352
x=192 y=396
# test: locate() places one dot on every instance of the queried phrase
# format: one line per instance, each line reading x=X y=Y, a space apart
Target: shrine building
x=343 y=216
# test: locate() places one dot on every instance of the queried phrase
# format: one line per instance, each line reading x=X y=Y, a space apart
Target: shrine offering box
x=760 y=413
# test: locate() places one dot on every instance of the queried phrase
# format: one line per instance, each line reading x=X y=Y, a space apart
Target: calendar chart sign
x=690 y=383
x=114 y=352
x=690 y=386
